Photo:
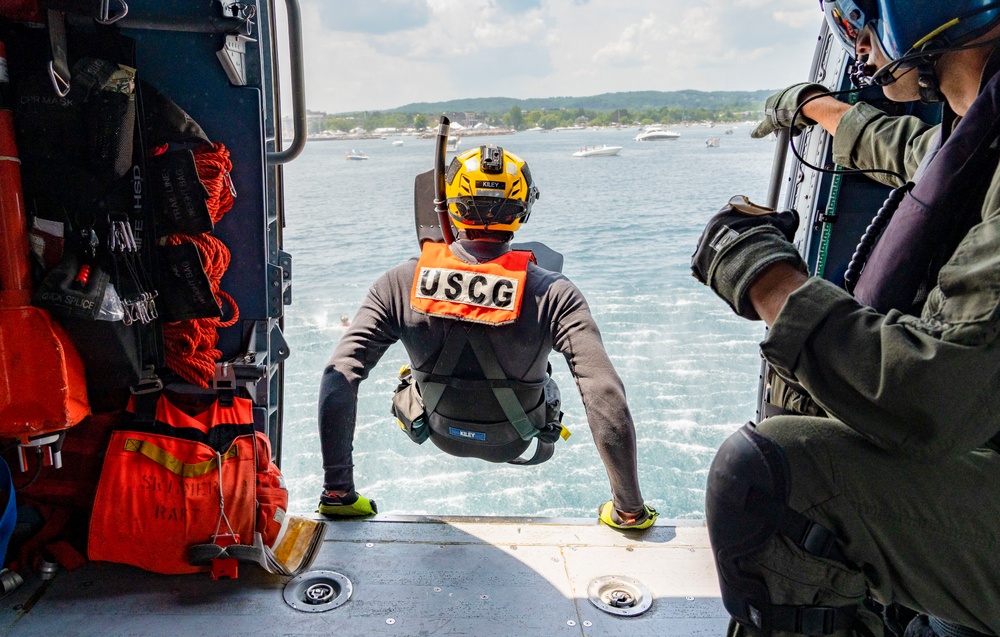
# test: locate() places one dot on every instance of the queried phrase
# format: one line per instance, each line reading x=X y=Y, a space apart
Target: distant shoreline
x=492 y=132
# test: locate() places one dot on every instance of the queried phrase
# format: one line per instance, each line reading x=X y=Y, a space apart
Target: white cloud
x=447 y=49
x=799 y=19
x=633 y=46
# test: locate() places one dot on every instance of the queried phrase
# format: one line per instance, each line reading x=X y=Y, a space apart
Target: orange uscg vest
x=491 y=292
x=159 y=492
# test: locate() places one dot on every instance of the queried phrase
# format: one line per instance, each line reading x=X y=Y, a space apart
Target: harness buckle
x=815 y=620
x=818 y=541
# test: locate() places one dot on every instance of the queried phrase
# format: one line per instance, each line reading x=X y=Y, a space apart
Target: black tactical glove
x=738 y=243
x=779 y=108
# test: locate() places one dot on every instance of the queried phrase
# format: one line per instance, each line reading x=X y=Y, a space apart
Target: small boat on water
x=712 y=142
x=598 y=151
x=656 y=134
x=354 y=154
x=454 y=143
x=398 y=142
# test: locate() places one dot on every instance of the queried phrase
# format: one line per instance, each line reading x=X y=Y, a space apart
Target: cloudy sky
x=379 y=54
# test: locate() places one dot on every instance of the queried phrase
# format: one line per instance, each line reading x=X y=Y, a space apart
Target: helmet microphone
x=862 y=73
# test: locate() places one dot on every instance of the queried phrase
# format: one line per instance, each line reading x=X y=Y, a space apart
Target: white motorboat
x=398 y=142
x=354 y=154
x=656 y=134
x=598 y=151
x=454 y=143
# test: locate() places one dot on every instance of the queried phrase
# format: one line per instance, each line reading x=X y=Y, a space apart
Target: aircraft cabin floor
x=410 y=575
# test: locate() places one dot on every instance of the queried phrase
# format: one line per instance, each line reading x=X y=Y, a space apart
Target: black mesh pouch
x=408 y=408
x=184 y=289
x=180 y=199
x=108 y=91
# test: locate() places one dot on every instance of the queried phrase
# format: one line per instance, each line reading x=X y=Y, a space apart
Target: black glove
x=779 y=108
x=738 y=243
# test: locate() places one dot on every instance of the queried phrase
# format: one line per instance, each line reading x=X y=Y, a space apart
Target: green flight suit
x=866 y=138
x=898 y=472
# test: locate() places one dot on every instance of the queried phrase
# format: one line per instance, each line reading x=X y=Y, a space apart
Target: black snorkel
x=440 y=202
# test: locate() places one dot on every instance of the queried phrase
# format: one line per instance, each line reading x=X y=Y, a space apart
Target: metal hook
x=58 y=83
x=229 y=182
x=106 y=13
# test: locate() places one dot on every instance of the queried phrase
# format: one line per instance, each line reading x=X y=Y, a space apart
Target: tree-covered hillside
x=609 y=109
x=634 y=100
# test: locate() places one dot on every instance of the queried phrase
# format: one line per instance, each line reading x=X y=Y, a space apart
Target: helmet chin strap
x=927 y=81
x=864 y=74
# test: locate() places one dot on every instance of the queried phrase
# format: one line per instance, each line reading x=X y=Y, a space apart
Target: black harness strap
x=432 y=390
x=432 y=385
x=812 y=537
x=814 y=620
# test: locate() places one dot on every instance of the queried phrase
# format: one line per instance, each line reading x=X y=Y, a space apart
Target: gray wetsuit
x=554 y=316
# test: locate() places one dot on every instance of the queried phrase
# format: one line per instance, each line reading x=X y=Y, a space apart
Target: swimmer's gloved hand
x=738 y=244
x=350 y=505
x=610 y=516
x=779 y=108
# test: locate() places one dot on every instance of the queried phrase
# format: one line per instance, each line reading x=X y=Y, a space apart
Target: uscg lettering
x=469 y=288
x=489 y=292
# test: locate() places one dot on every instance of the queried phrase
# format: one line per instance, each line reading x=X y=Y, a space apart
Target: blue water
x=627 y=226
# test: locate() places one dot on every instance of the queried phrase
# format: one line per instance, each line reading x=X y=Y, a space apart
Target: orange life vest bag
x=172 y=480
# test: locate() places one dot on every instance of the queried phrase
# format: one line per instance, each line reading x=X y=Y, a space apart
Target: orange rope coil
x=191 y=345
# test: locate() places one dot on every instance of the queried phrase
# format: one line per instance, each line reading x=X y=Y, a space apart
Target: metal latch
x=232 y=56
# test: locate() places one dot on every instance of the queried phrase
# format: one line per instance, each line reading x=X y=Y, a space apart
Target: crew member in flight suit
x=864 y=138
x=891 y=496
x=478 y=321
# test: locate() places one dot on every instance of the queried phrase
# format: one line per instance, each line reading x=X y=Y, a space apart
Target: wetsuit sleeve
x=576 y=336
x=869 y=138
x=373 y=330
x=924 y=386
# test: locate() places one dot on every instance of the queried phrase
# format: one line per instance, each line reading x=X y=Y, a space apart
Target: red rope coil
x=191 y=345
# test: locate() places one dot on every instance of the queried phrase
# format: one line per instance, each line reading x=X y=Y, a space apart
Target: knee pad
x=746 y=503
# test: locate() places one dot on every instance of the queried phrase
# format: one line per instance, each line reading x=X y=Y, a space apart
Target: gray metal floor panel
x=489 y=577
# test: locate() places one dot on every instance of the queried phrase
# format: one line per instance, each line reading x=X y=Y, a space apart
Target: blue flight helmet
x=909 y=27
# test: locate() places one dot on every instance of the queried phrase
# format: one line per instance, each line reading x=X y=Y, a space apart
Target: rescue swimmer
x=890 y=498
x=478 y=320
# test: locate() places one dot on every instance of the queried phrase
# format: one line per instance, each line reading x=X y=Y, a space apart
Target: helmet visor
x=488 y=211
x=846 y=19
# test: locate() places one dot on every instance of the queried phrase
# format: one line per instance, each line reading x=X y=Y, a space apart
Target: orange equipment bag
x=159 y=492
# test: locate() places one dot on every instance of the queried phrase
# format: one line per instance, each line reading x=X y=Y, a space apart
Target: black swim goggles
x=489 y=211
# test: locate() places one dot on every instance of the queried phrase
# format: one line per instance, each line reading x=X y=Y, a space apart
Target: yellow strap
x=927 y=38
x=564 y=433
x=163 y=458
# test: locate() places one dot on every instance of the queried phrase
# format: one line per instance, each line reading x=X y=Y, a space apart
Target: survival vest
x=172 y=481
x=489 y=294
x=938 y=211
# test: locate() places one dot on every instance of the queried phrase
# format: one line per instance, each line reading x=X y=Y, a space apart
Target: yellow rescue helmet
x=489 y=188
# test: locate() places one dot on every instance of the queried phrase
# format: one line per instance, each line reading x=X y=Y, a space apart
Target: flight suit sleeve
x=576 y=336
x=375 y=327
x=919 y=385
x=868 y=138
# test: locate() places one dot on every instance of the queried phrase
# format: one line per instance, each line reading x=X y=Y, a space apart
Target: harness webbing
x=432 y=385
